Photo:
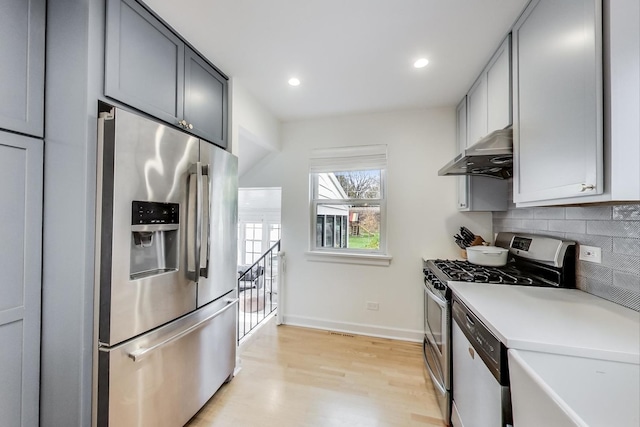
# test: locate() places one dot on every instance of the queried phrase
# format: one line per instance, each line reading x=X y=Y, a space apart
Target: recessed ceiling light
x=421 y=63
x=294 y=82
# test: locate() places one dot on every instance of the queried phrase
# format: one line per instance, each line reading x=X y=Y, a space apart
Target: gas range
x=533 y=261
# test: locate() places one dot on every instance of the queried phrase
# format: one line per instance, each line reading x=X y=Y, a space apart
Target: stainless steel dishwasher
x=481 y=395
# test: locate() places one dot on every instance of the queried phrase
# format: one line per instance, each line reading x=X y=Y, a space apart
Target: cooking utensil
x=490 y=256
x=467 y=234
x=460 y=244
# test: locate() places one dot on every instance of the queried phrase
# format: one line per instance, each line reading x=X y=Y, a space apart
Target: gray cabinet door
x=558 y=146
x=22 y=24
x=477 y=110
x=144 y=61
x=461 y=141
x=478 y=193
x=205 y=99
x=499 y=88
x=21 y=166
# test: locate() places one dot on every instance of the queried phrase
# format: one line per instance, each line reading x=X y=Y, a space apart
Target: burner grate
x=464 y=271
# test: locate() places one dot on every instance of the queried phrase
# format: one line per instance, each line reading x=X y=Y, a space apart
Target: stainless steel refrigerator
x=165 y=274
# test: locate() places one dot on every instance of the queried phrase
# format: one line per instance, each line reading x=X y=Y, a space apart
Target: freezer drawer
x=164 y=377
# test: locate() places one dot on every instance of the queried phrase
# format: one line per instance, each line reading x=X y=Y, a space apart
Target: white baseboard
x=355 y=328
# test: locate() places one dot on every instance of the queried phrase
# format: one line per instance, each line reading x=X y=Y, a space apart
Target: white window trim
x=349 y=258
x=344 y=159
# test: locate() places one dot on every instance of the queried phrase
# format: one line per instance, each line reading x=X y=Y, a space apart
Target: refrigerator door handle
x=141 y=353
x=206 y=224
x=193 y=252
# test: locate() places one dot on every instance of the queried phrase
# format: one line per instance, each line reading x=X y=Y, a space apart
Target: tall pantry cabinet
x=22 y=25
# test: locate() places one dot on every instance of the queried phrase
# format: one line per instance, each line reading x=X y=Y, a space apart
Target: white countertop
x=561 y=321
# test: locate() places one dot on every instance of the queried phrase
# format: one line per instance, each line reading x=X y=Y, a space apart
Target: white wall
x=251 y=121
x=421 y=219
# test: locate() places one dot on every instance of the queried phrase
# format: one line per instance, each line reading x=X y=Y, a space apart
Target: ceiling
x=351 y=56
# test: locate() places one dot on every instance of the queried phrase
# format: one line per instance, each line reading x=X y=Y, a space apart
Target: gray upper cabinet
x=558 y=137
x=461 y=141
x=499 y=97
x=22 y=25
x=485 y=108
x=21 y=169
x=477 y=193
x=489 y=99
x=205 y=106
x=149 y=67
x=144 y=63
x=477 y=110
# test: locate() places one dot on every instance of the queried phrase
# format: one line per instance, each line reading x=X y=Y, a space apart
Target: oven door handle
x=440 y=301
x=434 y=378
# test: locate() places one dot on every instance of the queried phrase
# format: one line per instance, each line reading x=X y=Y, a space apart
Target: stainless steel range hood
x=492 y=156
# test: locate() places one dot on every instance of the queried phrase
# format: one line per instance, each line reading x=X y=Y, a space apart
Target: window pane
x=360 y=184
x=345 y=231
x=328 y=235
x=353 y=227
x=319 y=230
x=252 y=242
x=274 y=233
x=364 y=227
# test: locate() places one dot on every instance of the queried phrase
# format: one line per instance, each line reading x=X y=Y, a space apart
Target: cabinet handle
x=185 y=125
x=586 y=187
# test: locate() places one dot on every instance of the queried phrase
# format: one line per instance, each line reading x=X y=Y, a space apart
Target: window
x=274 y=234
x=348 y=201
x=254 y=240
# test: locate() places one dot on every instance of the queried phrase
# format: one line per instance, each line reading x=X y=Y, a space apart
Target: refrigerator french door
x=165 y=277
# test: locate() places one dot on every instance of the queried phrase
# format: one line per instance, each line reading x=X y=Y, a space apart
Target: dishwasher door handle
x=470 y=322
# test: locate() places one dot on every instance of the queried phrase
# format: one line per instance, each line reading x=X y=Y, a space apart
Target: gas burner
x=464 y=271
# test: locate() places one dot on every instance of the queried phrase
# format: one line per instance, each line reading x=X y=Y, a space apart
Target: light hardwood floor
x=294 y=377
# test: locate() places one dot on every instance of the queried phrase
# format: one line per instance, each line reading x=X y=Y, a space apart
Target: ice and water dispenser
x=154 y=238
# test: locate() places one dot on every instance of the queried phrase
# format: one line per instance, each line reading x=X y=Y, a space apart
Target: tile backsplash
x=614 y=229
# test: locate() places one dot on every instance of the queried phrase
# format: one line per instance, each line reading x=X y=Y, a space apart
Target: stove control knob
x=438 y=285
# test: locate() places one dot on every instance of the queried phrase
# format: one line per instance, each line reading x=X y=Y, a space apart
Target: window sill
x=349 y=258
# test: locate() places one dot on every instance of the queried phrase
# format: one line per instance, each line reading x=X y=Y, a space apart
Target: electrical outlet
x=373 y=306
x=591 y=254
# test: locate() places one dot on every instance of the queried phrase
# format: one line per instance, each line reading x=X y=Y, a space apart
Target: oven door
x=437 y=331
x=434 y=375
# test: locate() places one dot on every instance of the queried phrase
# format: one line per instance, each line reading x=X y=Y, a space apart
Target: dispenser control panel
x=143 y=213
